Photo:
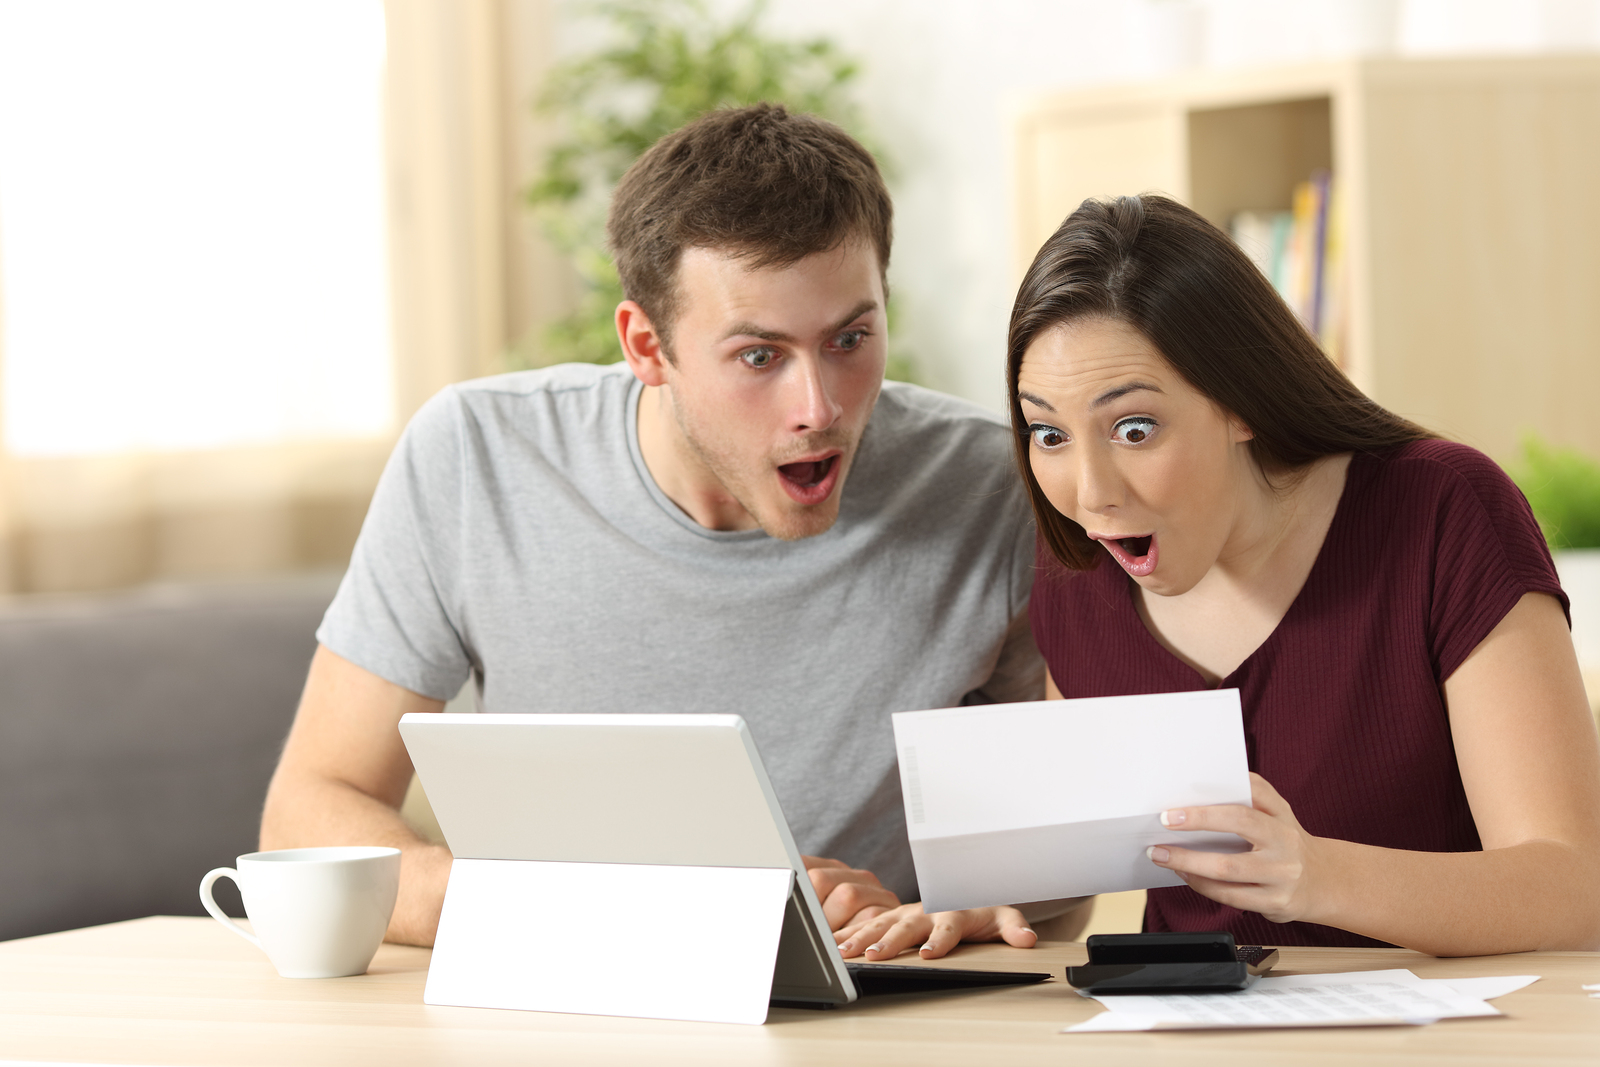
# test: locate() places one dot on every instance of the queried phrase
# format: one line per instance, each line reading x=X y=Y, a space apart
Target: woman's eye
x=850 y=340
x=1134 y=431
x=759 y=358
x=1046 y=436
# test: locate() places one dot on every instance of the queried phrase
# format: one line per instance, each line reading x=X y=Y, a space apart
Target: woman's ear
x=1238 y=432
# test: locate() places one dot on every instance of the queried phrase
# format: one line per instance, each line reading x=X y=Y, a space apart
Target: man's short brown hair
x=764 y=185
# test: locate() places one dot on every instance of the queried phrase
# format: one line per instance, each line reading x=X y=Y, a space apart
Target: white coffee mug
x=317 y=912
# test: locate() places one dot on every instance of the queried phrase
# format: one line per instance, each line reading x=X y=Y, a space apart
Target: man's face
x=773 y=377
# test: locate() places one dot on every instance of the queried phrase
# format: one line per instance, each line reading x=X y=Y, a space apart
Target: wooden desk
x=186 y=991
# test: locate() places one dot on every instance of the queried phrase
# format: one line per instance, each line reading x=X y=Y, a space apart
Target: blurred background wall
x=240 y=242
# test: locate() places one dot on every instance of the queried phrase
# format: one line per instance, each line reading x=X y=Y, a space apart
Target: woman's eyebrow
x=1120 y=391
x=1038 y=402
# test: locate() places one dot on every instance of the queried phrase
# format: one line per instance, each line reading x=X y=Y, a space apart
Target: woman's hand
x=886 y=936
x=1278 y=878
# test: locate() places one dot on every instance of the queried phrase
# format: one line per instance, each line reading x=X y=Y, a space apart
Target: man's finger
x=826 y=879
x=845 y=901
x=1014 y=929
x=813 y=862
x=948 y=929
x=901 y=936
x=863 y=915
x=853 y=942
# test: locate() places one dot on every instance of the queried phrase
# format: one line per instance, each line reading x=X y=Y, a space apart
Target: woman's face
x=1121 y=444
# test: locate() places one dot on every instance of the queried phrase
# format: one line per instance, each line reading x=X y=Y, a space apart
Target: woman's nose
x=1099 y=487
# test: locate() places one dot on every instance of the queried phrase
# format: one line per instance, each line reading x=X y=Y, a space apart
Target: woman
x=1218 y=505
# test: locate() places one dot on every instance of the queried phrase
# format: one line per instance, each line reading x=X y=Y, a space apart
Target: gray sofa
x=137 y=734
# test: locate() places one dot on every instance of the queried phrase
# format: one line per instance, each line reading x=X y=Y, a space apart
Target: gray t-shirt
x=517 y=533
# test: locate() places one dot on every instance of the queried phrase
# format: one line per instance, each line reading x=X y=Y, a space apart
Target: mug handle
x=211 y=905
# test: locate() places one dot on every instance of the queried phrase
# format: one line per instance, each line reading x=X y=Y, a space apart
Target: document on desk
x=1009 y=803
x=1355 y=998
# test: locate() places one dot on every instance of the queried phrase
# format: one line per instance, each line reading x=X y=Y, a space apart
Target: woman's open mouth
x=810 y=481
x=1136 y=554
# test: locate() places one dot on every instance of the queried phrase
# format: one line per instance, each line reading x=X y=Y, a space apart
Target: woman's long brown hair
x=1153 y=264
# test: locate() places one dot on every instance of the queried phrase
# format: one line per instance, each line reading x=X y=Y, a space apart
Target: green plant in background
x=669 y=61
x=1563 y=487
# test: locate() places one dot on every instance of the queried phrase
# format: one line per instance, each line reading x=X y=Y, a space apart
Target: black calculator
x=1169 y=963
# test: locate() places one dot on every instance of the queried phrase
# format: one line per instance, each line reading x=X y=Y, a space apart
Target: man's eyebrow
x=1036 y=401
x=751 y=329
x=1120 y=391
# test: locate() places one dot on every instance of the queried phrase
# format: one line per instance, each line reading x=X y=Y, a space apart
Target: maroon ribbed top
x=1430 y=547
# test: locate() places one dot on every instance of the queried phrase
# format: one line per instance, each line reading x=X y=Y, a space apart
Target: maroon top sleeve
x=1489 y=551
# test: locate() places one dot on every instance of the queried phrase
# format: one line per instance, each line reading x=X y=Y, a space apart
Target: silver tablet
x=680 y=790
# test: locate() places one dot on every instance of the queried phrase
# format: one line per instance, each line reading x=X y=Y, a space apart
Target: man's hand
x=848 y=896
x=891 y=933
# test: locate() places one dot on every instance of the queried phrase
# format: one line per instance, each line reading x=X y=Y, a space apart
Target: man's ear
x=641 y=344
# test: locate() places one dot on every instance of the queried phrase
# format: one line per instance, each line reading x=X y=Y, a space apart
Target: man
x=734 y=521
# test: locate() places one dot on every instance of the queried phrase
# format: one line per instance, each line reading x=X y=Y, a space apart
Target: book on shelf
x=1301 y=252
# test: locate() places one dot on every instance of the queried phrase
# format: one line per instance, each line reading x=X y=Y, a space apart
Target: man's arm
x=342 y=778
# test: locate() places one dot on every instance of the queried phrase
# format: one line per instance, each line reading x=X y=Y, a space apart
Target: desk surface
x=186 y=991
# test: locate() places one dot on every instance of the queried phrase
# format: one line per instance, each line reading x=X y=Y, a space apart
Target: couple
x=744 y=517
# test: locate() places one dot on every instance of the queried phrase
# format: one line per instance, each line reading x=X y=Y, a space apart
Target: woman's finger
x=1267 y=799
x=1231 y=867
x=1248 y=823
x=1242 y=895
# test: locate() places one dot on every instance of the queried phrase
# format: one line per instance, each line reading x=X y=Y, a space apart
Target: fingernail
x=1157 y=853
x=926 y=948
x=1026 y=930
x=876 y=948
x=847 y=948
x=1175 y=817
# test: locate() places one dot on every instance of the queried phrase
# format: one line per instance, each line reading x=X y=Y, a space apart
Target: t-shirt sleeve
x=1489 y=554
x=393 y=612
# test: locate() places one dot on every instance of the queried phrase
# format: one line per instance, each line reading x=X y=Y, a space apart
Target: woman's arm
x=1530 y=761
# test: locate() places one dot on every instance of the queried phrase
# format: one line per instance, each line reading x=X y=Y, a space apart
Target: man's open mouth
x=810 y=481
x=810 y=473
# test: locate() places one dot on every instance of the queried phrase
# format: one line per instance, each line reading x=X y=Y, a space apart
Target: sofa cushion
x=137 y=736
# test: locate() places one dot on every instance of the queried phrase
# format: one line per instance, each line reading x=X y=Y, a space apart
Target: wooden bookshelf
x=1472 y=214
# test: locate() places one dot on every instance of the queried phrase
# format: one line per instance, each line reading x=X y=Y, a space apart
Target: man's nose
x=814 y=407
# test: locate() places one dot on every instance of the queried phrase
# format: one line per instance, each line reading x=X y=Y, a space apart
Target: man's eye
x=1134 y=431
x=759 y=358
x=1046 y=436
x=850 y=340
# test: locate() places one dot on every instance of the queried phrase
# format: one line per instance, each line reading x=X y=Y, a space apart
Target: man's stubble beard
x=803 y=521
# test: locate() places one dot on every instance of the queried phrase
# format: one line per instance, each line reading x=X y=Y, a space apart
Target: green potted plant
x=1563 y=487
x=664 y=62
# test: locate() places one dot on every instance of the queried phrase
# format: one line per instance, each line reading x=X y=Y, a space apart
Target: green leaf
x=666 y=62
x=1563 y=488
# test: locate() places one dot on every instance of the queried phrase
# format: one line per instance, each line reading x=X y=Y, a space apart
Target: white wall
x=939 y=74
